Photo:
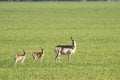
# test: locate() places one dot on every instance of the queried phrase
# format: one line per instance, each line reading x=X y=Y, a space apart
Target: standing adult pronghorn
x=65 y=49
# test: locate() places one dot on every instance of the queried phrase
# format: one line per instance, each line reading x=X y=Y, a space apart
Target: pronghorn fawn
x=21 y=57
x=39 y=55
x=65 y=49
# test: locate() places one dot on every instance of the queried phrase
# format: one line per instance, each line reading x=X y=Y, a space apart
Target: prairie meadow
x=31 y=26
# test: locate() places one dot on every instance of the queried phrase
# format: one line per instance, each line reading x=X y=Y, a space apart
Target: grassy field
x=35 y=25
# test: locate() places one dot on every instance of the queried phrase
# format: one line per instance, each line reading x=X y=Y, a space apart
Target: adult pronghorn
x=65 y=49
x=20 y=57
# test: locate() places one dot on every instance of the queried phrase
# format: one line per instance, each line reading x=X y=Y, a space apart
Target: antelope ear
x=24 y=51
x=71 y=38
x=75 y=39
x=41 y=48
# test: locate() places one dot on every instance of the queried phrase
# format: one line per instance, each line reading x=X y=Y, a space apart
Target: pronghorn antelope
x=65 y=49
x=38 y=55
x=20 y=57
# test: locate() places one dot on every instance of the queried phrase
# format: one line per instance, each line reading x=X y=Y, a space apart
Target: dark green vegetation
x=32 y=26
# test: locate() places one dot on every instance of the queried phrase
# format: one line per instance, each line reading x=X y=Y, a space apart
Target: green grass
x=35 y=25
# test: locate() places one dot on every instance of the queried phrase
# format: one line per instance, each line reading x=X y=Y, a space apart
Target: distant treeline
x=59 y=0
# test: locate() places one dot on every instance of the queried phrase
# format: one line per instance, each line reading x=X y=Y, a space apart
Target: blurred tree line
x=58 y=0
